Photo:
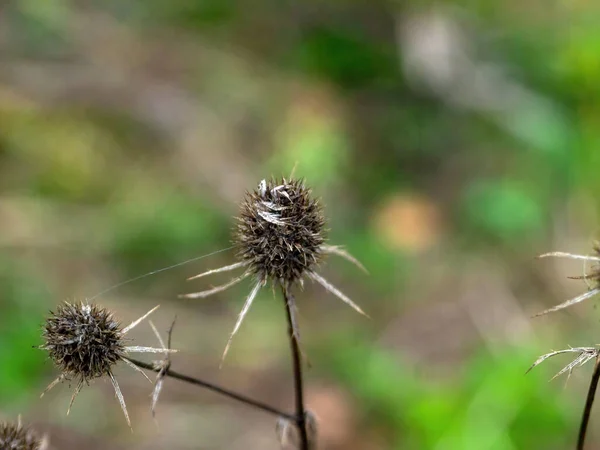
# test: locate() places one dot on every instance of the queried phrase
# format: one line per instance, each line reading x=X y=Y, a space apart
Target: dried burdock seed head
x=18 y=437
x=280 y=230
x=585 y=354
x=592 y=278
x=85 y=342
x=280 y=236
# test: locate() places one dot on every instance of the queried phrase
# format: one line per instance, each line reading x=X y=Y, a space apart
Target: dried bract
x=585 y=354
x=592 y=278
x=162 y=366
x=85 y=342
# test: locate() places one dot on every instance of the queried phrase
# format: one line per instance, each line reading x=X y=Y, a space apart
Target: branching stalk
x=217 y=389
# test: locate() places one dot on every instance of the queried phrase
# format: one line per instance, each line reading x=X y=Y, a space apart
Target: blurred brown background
x=451 y=142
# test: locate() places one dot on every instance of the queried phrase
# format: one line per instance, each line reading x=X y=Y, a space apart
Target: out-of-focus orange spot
x=336 y=418
x=408 y=222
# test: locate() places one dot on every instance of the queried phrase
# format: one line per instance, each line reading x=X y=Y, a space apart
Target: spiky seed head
x=280 y=230
x=84 y=341
x=17 y=437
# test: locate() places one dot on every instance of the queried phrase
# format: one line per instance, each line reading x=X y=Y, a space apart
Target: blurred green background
x=451 y=142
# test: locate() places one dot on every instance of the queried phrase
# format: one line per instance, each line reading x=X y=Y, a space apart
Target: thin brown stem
x=300 y=418
x=212 y=387
x=588 y=405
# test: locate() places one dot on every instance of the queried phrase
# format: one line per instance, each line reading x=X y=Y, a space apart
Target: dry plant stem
x=588 y=405
x=212 y=387
x=300 y=418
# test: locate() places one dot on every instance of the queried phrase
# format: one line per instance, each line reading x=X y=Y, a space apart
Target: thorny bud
x=280 y=230
x=83 y=341
x=18 y=437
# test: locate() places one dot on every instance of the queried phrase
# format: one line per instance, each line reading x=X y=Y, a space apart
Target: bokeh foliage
x=128 y=129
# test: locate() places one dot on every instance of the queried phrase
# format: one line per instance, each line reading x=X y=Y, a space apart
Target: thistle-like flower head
x=280 y=230
x=85 y=341
x=18 y=437
x=280 y=236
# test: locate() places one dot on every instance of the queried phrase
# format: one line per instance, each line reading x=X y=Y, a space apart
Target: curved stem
x=588 y=405
x=300 y=417
x=212 y=387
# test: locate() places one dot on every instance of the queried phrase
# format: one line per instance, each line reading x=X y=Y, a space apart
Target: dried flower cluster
x=18 y=437
x=280 y=237
x=161 y=366
x=85 y=342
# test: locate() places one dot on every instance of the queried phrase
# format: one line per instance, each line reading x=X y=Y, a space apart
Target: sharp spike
x=215 y=290
x=581 y=350
x=339 y=251
x=156 y=392
x=75 y=393
x=219 y=270
x=136 y=368
x=570 y=302
x=570 y=256
x=51 y=385
x=119 y=395
x=157 y=334
x=335 y=291
x=135 y=323
x=139 y=349
x=164 y=366
x=241 y=316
